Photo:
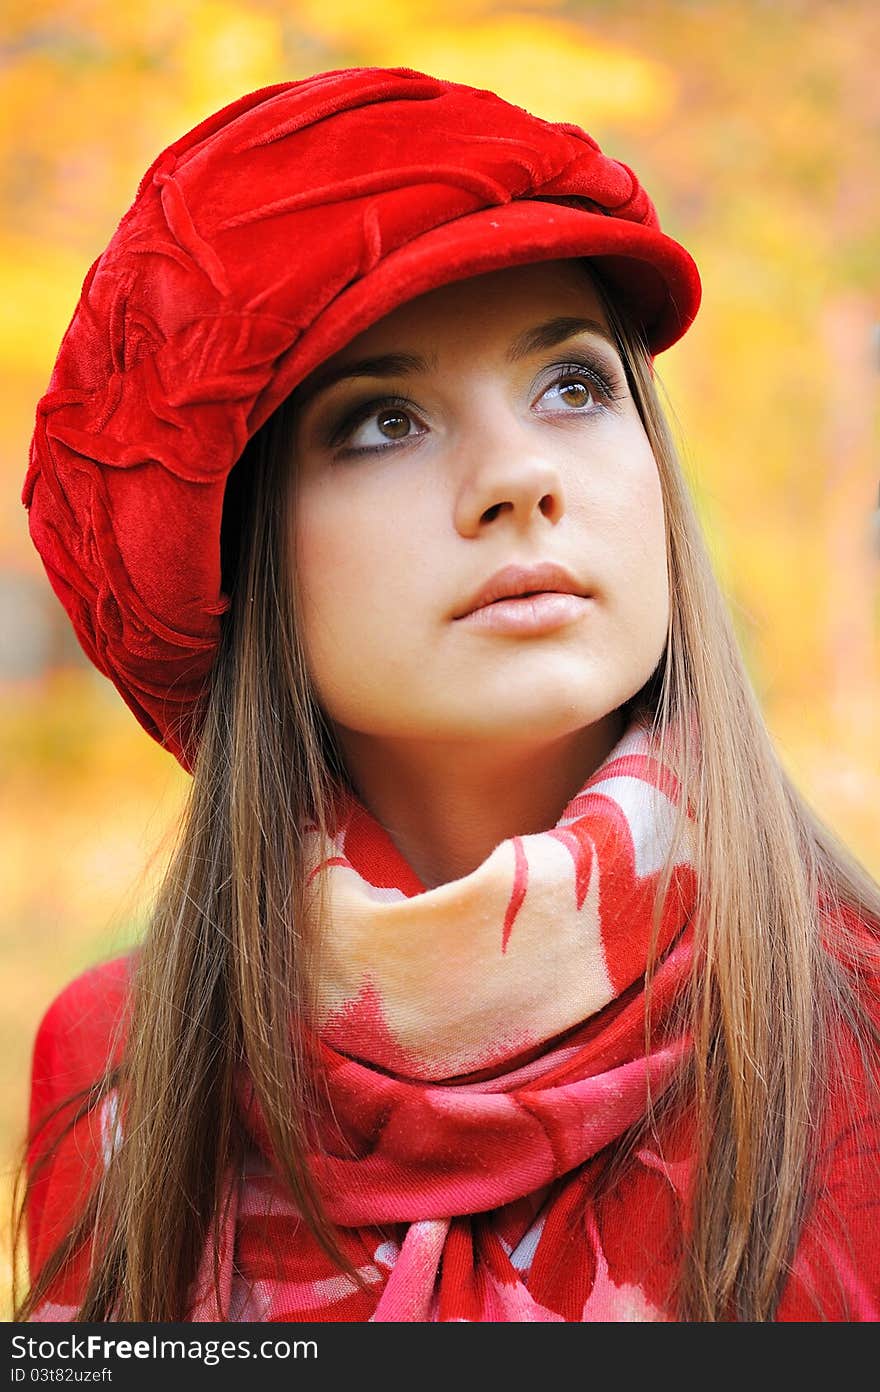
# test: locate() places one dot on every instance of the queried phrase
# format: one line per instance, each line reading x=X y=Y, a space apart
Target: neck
x=446 y=806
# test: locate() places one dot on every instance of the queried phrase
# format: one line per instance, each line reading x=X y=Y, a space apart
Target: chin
x=551 y=719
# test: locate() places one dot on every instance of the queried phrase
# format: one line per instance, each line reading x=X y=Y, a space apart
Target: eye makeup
x=605 y=385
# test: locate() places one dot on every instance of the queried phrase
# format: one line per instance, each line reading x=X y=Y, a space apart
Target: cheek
x=647 y=526
x=623 y=499
x=636 y=540
x=327 y=563
x=361 y=537
x=650 y=558
x=336 y=551
x=352 y=575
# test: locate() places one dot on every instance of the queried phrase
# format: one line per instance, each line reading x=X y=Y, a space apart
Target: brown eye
x=581 y=389
x=377 y=425
x=576 y=393
x=394 y=424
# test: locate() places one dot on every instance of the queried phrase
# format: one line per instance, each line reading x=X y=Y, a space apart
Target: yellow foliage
x=223 y=51
x=555 y=65
x=550 y=65
x=39 y=288
x=351 y=23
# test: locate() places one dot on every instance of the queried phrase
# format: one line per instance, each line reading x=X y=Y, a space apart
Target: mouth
x=533 y=612
x=511 y=599
x=520 y=584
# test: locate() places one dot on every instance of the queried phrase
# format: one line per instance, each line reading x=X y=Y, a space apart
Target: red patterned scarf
x=484 y=1043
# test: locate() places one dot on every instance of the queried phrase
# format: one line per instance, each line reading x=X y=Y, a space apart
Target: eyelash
x=575 y=370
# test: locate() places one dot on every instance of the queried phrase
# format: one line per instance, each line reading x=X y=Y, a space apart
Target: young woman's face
x=492 y=427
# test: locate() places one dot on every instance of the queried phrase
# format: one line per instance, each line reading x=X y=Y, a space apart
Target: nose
x=505 y=472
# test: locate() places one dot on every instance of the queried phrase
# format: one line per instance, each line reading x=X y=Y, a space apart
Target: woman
x=500 y=972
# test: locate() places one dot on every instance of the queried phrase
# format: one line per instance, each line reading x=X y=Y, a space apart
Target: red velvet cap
x=259 y=244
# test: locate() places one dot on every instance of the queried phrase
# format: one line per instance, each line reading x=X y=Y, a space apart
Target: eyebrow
x=548 y=334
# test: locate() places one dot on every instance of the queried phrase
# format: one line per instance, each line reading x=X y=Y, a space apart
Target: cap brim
x=654 y=276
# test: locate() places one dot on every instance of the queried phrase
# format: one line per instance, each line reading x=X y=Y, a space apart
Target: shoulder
x=836 y=1270
x=81 y=1033
x=75 y=1036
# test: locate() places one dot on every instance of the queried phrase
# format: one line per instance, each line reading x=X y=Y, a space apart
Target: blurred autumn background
x=756 y=127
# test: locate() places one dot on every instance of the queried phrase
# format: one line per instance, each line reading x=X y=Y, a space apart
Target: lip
x=517 y=585
x=536 y=613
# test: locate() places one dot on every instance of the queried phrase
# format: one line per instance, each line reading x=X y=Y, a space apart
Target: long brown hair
x=223 y=961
